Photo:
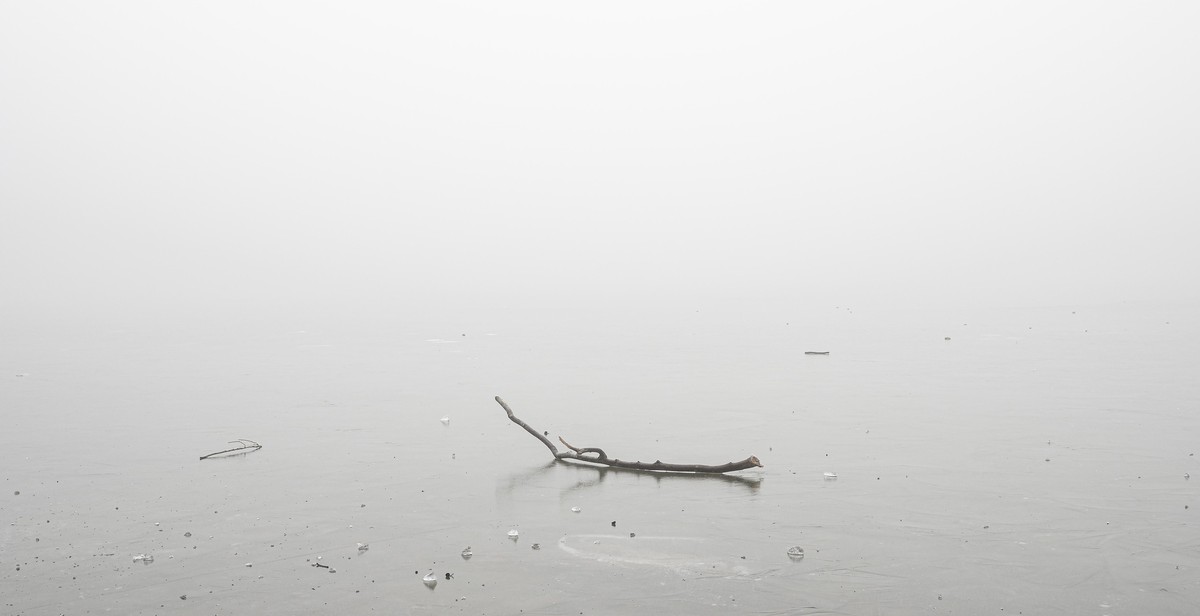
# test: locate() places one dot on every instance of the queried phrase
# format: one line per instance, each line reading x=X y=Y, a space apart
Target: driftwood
x=244 y=446
x=595 y=455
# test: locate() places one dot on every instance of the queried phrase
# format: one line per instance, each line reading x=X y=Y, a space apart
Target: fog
x=184 y=160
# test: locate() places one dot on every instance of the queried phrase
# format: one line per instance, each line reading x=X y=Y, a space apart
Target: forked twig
x=597 y=455
x=246 y=446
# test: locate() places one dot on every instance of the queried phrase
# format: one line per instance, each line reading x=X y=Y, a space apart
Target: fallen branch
x=246 y=446
x=595 y=455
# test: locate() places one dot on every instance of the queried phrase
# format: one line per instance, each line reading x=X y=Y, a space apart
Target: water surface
x=1032 y=462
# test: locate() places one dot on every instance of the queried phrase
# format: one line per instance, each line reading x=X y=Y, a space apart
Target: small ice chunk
x=249 y=564
x=795 y=552
x=830 y=476
x=430 y=579
x=575 y=509
x=446 y=420
x=143 y=558
x=362 y=547
x=513 y=534
x=467 y=553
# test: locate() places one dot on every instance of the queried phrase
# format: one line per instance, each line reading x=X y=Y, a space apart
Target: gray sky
x=225 y=155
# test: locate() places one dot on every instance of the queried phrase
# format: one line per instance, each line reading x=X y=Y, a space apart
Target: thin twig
x=583 y=450
x=599 y=457
x=247 y=446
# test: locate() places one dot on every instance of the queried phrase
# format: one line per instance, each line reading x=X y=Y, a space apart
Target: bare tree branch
x=595 y=455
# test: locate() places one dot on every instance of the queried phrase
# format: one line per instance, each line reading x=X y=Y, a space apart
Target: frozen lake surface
x=991 y=462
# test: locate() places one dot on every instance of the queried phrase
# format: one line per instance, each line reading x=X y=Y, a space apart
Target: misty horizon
x=215 y=159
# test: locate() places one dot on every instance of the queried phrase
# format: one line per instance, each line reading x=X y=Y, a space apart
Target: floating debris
x=575 y=510
x=187 y=534
x=513 y=534
x=830 y=476
x=632 y=535
x=1187 y=475
x=143 y=558
x=249 y=564
x=816 y=352
x=183 y=597
x=430 y=580
x=536 y=546
x=446 y=420
x=467 y=553
x=362 y=547
x=245 y=446
x=795 y=552
x=595 y=455
x=449 y=575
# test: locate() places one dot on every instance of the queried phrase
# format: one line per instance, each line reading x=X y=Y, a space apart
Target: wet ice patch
x=685 y=555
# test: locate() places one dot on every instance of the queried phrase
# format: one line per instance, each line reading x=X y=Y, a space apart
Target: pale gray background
x=180 y=160
x=325 y=227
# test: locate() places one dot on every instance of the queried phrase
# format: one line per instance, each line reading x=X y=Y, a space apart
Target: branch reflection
x=597 y=474
x=589 y=476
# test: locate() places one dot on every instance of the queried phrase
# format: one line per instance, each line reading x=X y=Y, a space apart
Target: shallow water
x=1034 y=462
